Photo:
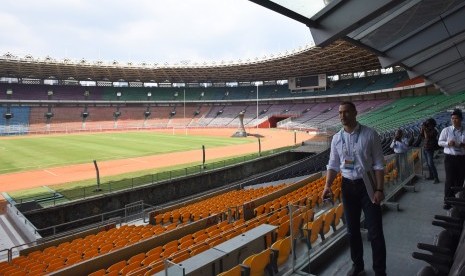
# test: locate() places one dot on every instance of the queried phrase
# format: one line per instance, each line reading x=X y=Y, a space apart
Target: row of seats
x=214 y=205
x=80 y=249
x=93 y=245
x=278 y=253
x=194 y=243
x=180 y=249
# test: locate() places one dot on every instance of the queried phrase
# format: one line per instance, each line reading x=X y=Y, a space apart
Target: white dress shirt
x=363 y=145
x=451 y=133
x=400 y=146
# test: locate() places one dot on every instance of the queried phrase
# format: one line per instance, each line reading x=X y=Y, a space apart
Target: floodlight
x=149 y=94
x=118 y=94
x=50 y=92
x=9 y=91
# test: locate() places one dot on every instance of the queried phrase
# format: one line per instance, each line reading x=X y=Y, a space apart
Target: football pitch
x=40 y=152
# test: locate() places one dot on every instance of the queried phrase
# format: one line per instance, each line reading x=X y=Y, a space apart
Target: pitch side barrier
x=51 y=199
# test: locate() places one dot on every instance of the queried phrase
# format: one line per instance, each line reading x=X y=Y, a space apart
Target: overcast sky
x=152 y=31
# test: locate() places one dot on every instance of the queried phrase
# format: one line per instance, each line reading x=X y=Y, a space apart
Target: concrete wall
x=151 y=194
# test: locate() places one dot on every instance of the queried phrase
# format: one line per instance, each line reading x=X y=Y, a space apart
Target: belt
x=353 y=181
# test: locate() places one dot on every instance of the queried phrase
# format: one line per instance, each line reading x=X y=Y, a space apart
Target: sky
x=150 y=31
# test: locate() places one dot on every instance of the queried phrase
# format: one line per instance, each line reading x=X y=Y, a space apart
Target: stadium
x=218 y=168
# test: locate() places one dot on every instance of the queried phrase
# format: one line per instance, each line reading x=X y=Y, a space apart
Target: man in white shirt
x=356 y=151
x=400 y=146
x=452 y=139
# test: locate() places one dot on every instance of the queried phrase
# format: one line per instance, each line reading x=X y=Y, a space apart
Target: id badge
x=349 y=164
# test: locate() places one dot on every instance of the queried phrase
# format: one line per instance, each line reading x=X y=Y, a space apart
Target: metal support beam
x=346 y=17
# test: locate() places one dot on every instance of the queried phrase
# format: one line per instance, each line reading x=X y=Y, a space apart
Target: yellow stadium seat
x=150 y=259
x=235 y=271
x=100 y=272
x=339 y=215
x=328 y=221
x=281 y=251
x=136 y=258
x=129 y=267
x=117 y=266
x=313 y=229
x=283 y=230
x=155 y=251
x=259 y=262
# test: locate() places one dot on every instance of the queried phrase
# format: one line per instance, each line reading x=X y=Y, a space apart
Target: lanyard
x=454 y=129
x=356 y=141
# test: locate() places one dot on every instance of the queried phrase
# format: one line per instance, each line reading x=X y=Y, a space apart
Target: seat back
x=235 y=271
x=328 y=219
x=338 y=215
x=315 y=228
x=283 y=247
x=258 y=262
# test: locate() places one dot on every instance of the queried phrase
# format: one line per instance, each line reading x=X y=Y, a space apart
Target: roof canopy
x=337 y=58
x=426 y=37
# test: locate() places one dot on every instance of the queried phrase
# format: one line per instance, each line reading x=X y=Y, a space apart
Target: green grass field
x=27 y=153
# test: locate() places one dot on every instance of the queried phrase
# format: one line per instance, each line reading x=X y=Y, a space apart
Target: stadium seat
x=116 y=266
x=136 y=258
x=155 y=268
x=199 y=248
x=105 y=248
x=129 y=267
x=92 y=252
x=73 y=259
x=100 y=272
x=168 y=251
x=216 y=241
x=281 y=251
x=257 y=263
x=150 y=259
x=180 y=256
x=185 y=238
x=283 y=230
x=339 y=215
x=328 y=221
x=170 y=244
x=235 y=271
x=186 y=244
x=313 y=229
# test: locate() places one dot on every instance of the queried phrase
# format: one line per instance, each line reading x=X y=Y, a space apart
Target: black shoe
x=429 y=178
x=446 y=206
x=436 y=181
x=356 y=271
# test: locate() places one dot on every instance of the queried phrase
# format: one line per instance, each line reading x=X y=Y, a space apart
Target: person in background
x=429 y=134
x=356 y=150
x=400 y=146
x=452 y=139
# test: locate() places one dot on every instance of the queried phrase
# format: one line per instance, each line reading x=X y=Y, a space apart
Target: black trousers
x=454 y=166
x=355 y=199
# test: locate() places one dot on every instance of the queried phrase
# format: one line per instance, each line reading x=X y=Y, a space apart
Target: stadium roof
x=337 y=58
x=426 y=37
